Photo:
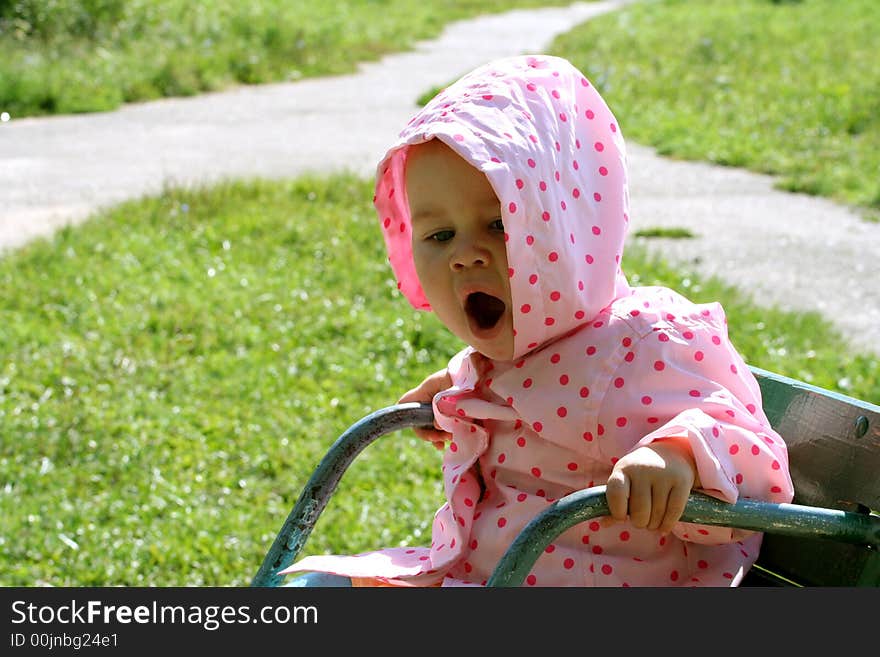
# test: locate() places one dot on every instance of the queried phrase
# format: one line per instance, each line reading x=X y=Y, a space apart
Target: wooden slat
x=834 y=452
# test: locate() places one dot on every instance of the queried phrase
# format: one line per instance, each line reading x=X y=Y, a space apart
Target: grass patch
x=92 y=55
x=174 y=369
x=659 y=231
x=790 y=89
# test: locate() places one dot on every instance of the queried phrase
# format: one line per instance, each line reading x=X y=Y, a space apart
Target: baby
x=504 y=209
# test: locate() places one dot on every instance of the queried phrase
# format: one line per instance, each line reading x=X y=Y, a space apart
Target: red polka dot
x=755 y=450
x=599 y=146
x=521 y=441
x=502 y=521
x=519 y=183
x=531 y=580
x=512 y=207
x=597 y=197
x=550 y=549
x=596 y=230
x=545 y=216
x=646 y=400
x=562 y=411
x=584 y=392
x=674 y=575
x=568 y=564
x=606 y=569
x=554 y=296
x=549 y=321
x=695 y=393
x=603 y=171
x=618 y=382
x=527 y=383
x=775 y=489
x=597 y=549
x=591 y=350
x=531 y=163
x=733 y=449
x=572 y=466
x=533 y=279
x=588 y=436
x=536 y=472
x=663 y=337
x=698 y=356
x=659 y=365
x=716 y=340
x=553 y=257
x=702 y=564
x=621 y=422
x=594 y=526
x=502 y=457
x=537 y=426
x=624 y=535
x=525 y=309
x=775 y=465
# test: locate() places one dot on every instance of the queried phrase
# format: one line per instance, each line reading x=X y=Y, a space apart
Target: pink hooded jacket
x=599 y=369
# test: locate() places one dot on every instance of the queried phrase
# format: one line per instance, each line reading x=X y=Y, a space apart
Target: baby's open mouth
x=484 y=309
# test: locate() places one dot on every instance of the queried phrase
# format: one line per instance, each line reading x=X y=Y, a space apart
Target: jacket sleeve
x=688 y=380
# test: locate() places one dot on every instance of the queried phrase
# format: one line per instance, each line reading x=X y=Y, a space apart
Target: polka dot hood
x=554 y=155
x=600 y=368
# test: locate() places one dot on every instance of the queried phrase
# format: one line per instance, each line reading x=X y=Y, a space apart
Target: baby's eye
x=442 y=235
x=498 y=224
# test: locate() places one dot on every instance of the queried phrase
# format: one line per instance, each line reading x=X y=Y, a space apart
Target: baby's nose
x=468 y=255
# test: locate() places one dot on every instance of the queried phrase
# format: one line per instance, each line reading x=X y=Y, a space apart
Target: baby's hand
x=652 y=483
x=425 y=392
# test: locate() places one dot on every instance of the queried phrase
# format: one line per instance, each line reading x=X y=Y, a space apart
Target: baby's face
x=458 y=245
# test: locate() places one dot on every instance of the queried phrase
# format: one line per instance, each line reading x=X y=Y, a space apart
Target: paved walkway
x=788 y=250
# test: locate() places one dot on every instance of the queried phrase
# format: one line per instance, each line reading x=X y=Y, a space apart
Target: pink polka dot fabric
x=600 y=367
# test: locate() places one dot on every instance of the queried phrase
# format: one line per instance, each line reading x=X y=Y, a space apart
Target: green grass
x=66 y=56
x=786 y=88
x=660 y=231
x=172 y=371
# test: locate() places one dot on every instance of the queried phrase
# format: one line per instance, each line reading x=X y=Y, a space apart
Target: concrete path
x=788 y=250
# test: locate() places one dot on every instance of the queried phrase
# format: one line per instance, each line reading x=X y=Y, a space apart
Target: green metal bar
x=515 y=564
x=318 y=490
x=580 y=506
